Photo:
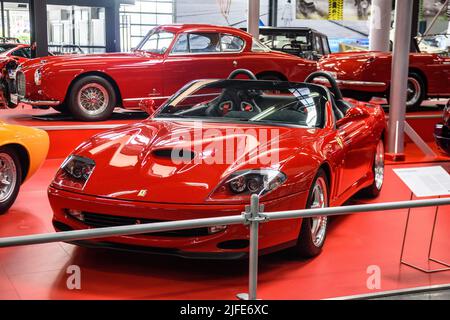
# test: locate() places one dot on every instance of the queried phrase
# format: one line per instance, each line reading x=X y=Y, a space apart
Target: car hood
x=96 y=60
x=134 y=162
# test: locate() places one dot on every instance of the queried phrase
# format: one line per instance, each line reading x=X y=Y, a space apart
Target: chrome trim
x=355 y=83
x=39 y=103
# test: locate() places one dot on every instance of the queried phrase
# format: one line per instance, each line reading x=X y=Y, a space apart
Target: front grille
x=21 y=84
x=96 y=220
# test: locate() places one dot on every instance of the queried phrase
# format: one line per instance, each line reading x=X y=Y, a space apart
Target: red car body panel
x=125 y=164
x=373 y=71
x=140 y=75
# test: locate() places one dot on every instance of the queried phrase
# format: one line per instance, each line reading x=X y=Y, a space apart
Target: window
x=23 y=53
x=231 y=43
x=259 y=47
x=325 y=45
x=318 y=41
x=157 y=42
x=182 y=45
x=204 y=42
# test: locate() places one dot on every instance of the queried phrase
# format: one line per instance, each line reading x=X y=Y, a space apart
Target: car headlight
x=38 y=77
x=242 y=184
x=74 y=172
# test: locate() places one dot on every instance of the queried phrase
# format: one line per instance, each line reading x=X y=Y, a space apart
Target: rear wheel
x=92 y=98
x=10 y=177
x=378 y=173
x=314 y=230
x=415 y=92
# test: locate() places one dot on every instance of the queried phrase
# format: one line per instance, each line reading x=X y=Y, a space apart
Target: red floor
x=354 y=243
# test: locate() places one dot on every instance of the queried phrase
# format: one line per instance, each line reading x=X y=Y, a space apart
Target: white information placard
x=426 y=181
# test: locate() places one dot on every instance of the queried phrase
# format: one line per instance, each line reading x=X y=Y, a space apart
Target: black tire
x=306 y=246
x=8 y=201
x=374 y=189
x=105 y=89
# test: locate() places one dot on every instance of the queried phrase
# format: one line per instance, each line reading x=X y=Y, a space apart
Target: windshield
x=157 y=41
x=249 y=101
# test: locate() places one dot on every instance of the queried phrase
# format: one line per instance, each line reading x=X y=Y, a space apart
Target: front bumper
x=16 y=99
x=442 y=137
x=276 y=234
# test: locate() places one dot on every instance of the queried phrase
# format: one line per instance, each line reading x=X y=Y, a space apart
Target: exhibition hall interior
x=224 y=150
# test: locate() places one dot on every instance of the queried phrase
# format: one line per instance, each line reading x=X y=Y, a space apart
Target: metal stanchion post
x=254 y=218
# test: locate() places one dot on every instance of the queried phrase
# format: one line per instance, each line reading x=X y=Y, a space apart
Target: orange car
x=22 y=151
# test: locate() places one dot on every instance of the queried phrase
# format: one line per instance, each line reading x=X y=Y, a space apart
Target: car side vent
x=175 y=154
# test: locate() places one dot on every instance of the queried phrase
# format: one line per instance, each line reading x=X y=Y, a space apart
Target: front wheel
x=92 y=98
x=314 y=230
x=10 y=177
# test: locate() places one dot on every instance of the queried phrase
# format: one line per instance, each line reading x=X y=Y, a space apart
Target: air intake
x=175 y=154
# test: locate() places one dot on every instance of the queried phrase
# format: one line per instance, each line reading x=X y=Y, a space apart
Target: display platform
x=354 y=244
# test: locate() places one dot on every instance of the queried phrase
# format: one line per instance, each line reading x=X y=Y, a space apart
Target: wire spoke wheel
x=93 y=98
x=8 y=177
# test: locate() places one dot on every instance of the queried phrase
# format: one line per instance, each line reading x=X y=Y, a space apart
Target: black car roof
x=292 y=29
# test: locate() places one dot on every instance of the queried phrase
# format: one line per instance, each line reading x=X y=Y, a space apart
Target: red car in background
x=363 y=75
x=207 y=150
x=91 y=86
x=12 y=53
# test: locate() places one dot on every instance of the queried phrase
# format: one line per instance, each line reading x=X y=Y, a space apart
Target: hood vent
x=175 y=154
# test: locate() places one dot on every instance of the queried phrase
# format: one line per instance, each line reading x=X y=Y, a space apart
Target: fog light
x=216 y=229
x=76 y=214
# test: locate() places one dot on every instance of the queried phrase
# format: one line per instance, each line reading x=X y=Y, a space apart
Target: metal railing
x=252 y=216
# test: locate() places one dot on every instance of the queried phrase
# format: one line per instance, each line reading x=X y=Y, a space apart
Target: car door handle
x=235 y=63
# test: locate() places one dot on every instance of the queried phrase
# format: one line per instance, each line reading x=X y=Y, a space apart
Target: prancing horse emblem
x=142 y=193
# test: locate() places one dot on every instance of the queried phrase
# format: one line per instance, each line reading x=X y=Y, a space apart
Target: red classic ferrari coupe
x=211 y=146
x=363 y=75
x=90 y=86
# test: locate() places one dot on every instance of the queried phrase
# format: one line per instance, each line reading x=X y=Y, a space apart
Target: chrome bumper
x=50 y=103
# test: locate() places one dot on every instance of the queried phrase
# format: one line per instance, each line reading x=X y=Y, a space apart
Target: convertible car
x=207 y=150
x=22 y=151
x=442 y=131
x=363 y=75
x=90 y=86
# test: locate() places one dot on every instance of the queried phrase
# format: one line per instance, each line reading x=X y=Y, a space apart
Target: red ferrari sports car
x=207 y=150
x=90 y=86
x=363 y=75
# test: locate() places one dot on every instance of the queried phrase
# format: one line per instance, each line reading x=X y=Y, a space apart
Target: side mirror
x=148 y=105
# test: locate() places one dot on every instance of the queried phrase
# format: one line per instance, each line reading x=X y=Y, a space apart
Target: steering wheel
x=334 y=86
